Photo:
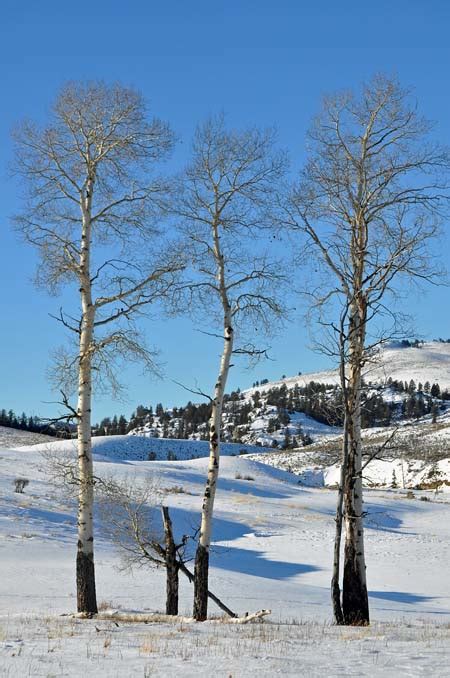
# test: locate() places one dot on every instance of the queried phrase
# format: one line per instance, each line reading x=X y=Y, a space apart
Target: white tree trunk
x=214 y=440
x=86 y=595
x=201 y=569
x=202 y=555
x=335 y=586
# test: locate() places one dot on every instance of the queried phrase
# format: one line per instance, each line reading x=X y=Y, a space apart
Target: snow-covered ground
x=299 y=423
x=406 y=474
x=69 y=647
x=273 y=543
x=430 y=362
x=138 y=448
x=12 y=437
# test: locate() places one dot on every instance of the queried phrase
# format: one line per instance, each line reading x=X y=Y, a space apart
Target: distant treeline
x=322 y=402
x=188 y=420
x=25 y=423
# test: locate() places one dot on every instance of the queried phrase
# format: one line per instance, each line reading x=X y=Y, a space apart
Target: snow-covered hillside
x=405 y=384
x=430 y=362
x=272 y=548
x=426 y=368
x=272 y=541
x=140 y=448
x=299 y=424
x=407 y=474
x=13 y=437
x=408 y=455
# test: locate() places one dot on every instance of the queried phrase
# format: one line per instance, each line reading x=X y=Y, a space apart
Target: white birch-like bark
x=99 y=137
x=226 y=199
x=86 y=596
x=202 y=555
x=335 y=586
x=370 y=199
x=335 y=580
x=214 y=439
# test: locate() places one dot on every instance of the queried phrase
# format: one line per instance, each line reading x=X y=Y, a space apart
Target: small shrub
x=410 y=495
x=424 y=499
x=20 y=484
x=175 y=489
x=171 y=456
x=151 y=456
x=238 y=476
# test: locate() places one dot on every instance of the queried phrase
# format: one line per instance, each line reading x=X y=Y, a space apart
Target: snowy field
x=138 y=448
x=273 y=543
x=31 y=646
x=312 y=469
x=430 y=362
x=12 y=437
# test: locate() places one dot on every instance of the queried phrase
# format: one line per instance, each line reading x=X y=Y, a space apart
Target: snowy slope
x=430 y=363
x=138 y=448
x=272 y=542
x=269 y=419
x=299 y=421
x=272 y=549
x=13 y=437
x=417 y=452
x=407 y=474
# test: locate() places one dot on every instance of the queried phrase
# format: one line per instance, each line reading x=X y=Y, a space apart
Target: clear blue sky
x=262 y=62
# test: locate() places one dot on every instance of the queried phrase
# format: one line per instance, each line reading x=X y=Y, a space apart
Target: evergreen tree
x=122 y=425
x=412 y=387
x=435 y=391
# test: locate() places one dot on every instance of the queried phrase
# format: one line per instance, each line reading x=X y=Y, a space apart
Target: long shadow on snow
x=187 y=522
x=32 y=517
x=245 y=561
x=179 y=474
x=401 y=597
x=253 y=487
x=380 y=517
x=383 y=518
x=48 y=516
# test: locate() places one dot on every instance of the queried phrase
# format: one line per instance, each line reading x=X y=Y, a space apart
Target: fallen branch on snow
x=155 y=618
x=248 y=617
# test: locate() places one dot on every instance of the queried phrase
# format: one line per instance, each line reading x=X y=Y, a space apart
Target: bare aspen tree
x=128 y=508
x=91 y=206
x=225 y=203
x=370 y=199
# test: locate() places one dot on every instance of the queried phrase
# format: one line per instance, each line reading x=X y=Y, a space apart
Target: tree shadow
x=378 y=517
x=187 y=521
x=255 y=563
x=50 y=525
x=229 y=557
x=178 y=474
x=401 y=597
x=385 y=518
